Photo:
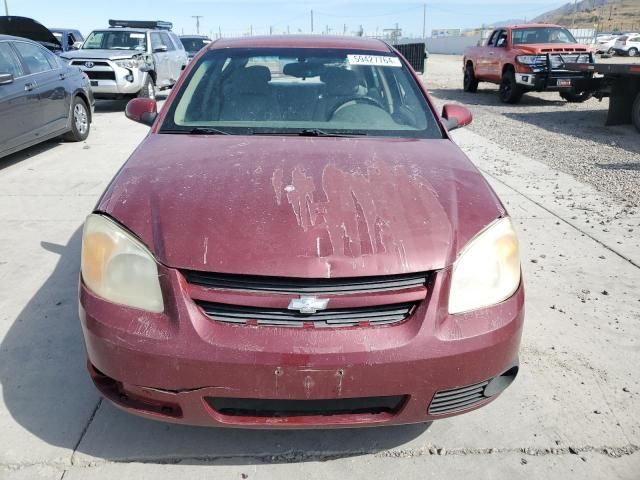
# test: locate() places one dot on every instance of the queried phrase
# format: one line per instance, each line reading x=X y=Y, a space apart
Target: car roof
x=535 y=25
x=302 y=41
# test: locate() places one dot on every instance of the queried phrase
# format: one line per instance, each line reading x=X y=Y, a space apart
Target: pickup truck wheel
x=80 y=124
x=633 y=51
x=576 y=97
x=148 y=90
x=510 y=91
x=470 y=80
x=635 y=112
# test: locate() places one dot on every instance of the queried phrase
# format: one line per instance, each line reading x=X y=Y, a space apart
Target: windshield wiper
x=196 y=131
x=316 y=132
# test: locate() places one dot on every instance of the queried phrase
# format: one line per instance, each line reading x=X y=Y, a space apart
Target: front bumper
x=555 y=81
x=108 y=80
x=173 y=366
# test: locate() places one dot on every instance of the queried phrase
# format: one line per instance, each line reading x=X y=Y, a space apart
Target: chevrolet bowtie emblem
x=308 y=304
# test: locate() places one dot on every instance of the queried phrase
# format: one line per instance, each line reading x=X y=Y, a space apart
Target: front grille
x=448 y=401
x=96 y=63
x=98 y=75
x=282 y=317
x=305 y=285
x=250 y=407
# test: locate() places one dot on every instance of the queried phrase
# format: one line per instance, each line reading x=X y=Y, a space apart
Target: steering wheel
x=356 y=98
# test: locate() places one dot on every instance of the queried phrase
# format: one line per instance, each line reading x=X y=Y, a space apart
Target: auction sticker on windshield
x=374 y=60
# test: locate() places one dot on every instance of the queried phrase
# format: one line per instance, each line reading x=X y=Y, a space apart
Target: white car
x=628 y=45
x=605 y=43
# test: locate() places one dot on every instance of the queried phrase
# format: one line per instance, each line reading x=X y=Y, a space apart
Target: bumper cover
x=170 y=366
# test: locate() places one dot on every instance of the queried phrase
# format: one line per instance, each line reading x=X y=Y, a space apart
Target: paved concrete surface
x=574 y=411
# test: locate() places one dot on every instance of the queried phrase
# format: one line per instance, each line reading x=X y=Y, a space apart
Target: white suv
x=131 y=58
x=628 y=44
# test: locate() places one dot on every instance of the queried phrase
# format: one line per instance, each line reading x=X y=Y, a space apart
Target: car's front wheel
x=633 y=51
x=80 y=122
x=148 y=90
x=510 y=91
x=470 y=80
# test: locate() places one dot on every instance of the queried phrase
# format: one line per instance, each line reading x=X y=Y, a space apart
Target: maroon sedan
x=299 y=243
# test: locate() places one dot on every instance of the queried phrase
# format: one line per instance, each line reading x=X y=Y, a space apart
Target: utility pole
x=424 y=21
x=251 y=30
x=6 y=8
x=270 y=29
x=311 y=20
x=220 y=31
x=197 y=17
x=344 y=29
x=575 y=12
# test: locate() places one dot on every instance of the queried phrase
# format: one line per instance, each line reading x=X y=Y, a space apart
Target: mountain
x=604 y=15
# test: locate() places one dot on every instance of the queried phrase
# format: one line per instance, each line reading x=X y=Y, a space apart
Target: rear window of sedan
x=271 y=91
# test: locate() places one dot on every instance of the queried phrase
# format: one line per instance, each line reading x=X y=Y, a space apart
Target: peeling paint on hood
x=301 y=207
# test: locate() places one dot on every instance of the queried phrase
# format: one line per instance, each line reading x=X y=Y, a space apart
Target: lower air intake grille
x=339 y=317
x=250 y=407
x=448 y=401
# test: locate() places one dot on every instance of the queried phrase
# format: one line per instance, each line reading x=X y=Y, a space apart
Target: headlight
x=117 y=267
x=487 y=270
x=128 y=63
x=527 y=59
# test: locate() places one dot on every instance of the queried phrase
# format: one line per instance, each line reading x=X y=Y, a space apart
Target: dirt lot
x=573 y=413
x=569 y=137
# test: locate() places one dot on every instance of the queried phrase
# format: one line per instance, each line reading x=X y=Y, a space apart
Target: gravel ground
x=569 y=137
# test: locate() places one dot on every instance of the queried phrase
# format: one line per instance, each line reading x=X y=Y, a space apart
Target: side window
x=502 y=39
x=167 y=41
x=71 y=39
x=176 y=41
x=35 y=58
x=9 y=63
x=494 y=37
x=156 y=41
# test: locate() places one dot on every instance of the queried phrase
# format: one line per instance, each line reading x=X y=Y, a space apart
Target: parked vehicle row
x=526 y=58
x=41 y=96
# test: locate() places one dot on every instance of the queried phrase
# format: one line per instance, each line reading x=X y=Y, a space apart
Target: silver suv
x=131 y=58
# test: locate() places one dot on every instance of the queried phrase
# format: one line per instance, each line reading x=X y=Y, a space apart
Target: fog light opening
x=129 y=78
x=500 y=383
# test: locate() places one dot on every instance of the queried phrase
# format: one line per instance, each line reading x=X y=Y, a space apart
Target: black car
x=25 y=27
x=41 y=96
x=194 y=43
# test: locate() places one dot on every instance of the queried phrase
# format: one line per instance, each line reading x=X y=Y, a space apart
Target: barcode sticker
x=374 y=60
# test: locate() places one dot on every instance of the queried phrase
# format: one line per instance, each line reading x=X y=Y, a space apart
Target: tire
x=510 y=91
x=470 y=80
x=633 y=51
x=148 y=90
x=576 y=97
x=80 y=121
x=635 y=112
x=611 y=52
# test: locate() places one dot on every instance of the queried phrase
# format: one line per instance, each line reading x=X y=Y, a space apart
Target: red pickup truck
x=526 y=58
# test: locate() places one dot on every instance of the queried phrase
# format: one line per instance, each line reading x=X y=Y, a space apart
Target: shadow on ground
x=47 y=391
x=18 y=157
x=489 y=97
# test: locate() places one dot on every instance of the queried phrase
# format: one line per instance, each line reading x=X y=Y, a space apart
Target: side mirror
x=6 y=78
x=142 y=110
x=161 y=48
x=455 y=116
x=76 y=46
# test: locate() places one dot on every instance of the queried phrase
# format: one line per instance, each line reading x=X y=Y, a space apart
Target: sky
x=239 y=17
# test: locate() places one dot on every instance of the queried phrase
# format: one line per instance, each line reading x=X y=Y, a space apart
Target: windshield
x=116 y=40
x=298 y=91
x=193 y=45
x=523 y=36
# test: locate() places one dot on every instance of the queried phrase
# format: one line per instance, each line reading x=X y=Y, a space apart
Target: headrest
x=254 y=79
x=340 y=81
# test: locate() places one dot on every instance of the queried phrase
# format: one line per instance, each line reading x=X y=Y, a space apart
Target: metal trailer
x=415 y=53
x=619 y=82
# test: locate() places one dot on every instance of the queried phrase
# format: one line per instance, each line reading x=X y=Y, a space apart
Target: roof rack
x=152 y=24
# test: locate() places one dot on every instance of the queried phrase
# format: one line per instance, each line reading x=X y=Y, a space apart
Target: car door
x=160 y=60
x=172 y=60
x=180 y=55
x=482 y=61
x=48 y=73
x=18 y=102
x=497 y=56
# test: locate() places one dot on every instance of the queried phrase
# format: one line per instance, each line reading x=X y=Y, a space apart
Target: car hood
x=102 y=54
x=28 y=28
x=300 y=206
x=553 y=48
